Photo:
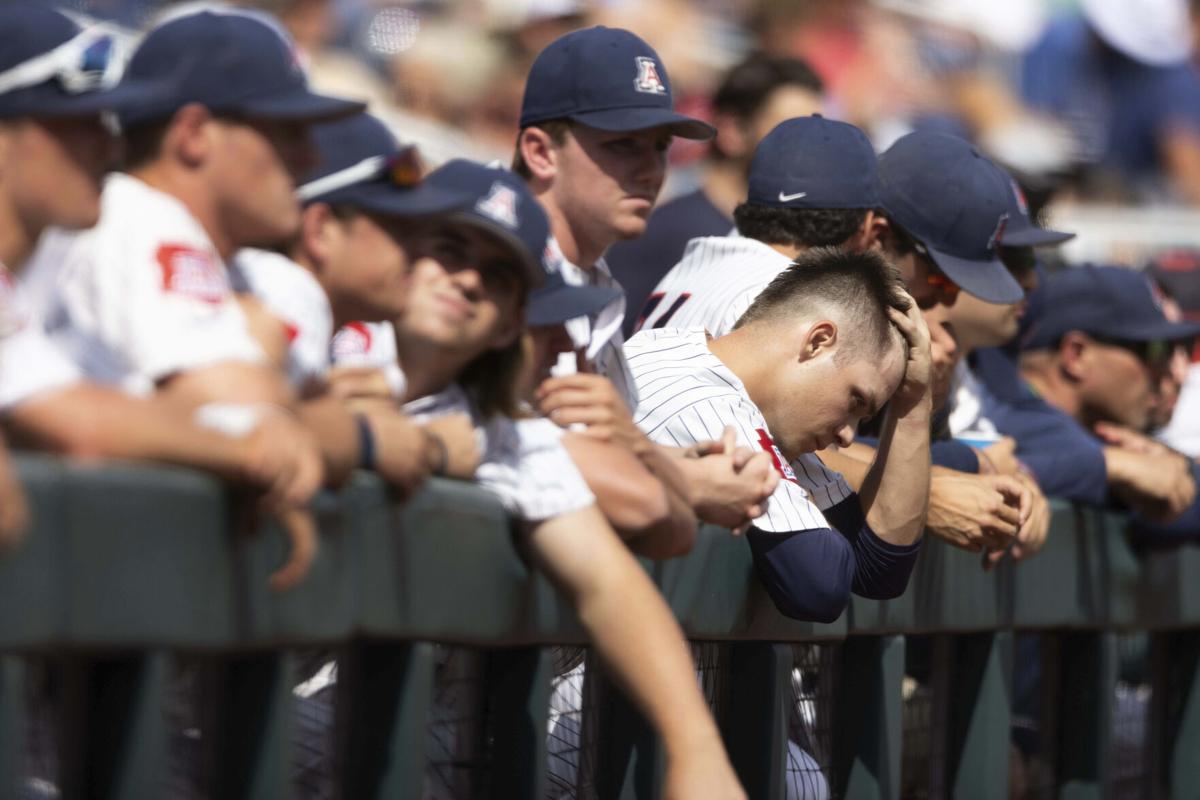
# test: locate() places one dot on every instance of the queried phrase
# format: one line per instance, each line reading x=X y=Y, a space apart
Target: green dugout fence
x=130 y=571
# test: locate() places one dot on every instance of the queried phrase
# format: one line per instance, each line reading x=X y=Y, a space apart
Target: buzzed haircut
x=798 y=227
x=858 y=288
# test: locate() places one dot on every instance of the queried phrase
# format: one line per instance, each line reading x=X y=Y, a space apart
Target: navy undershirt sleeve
x=881 y=569
x=807 y=573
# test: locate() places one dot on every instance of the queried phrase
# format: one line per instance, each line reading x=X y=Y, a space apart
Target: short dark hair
x=859 y=287
x=747 y=85
x=143 y=142
x=555 y=128
x=798 y=227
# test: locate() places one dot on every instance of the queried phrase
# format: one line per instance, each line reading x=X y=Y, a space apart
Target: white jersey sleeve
x=524 y=462
x=293 y=295
x=371 y=345
x=31 y=365
x=144 y=294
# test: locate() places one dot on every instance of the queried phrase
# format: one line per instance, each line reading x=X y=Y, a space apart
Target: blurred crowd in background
x=1095 y=101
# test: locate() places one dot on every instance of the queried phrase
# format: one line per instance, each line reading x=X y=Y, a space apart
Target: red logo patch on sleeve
x=781 y=466
x=192 y=272
x=354 y=339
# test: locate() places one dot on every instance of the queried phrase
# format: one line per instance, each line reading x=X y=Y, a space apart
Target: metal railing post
x=869 y=726
x=1175 y=715
x=1088 y=673
x=382 y=709
x=517 y=693
x=756 y=726
x=978 y=713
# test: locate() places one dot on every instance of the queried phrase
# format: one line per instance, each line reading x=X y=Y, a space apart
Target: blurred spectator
x=1095 y=346
x=754 y=97
x=1120 y=74
x=1178 y=275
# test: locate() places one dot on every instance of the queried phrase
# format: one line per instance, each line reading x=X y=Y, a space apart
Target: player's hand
x=14 y=507
x=1131 y=440
x=1033 y=531
x=301 y=531
x=999 y=458
x=457 y=434
x=978 y=512
x=284 y=457
x=403 y=454
x=729 y=486
x=918 y=367
x=352 y=383
x=1159 y=486
x=591 y=400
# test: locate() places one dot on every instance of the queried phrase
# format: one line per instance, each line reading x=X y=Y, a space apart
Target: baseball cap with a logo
x=955 y=204
x=608 y=79
x=504 y=207
x=361 y=165
x=230 y=61
x=1110 y=302
x=813 y=162
x=51 y=67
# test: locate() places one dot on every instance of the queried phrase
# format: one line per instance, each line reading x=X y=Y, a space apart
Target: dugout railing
x=128 y=569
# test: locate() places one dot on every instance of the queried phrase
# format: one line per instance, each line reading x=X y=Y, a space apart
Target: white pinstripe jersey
x=599 y=335
x=688 y=395
x=712 y=285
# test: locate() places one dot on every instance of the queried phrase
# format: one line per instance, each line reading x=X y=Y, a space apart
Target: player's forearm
x=629 y=624
x=89 y=421
x=652 y=522
x=895 y=491
x=337 y=435
x=229 y=382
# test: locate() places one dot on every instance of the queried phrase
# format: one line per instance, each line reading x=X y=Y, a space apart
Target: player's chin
x=631 y=226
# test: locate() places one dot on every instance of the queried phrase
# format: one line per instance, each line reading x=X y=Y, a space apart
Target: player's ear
x=538 y=152
x=318 y=229
x=870 y=234
x=1074 y=355
x=819 y=339
x=190 y=137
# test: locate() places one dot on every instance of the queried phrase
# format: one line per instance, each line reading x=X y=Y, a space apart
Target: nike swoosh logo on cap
x=787 y=198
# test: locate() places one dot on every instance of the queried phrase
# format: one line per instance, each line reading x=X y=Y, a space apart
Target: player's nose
x=845 y=436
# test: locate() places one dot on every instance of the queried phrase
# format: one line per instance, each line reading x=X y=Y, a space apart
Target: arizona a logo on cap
x=500 y=204
x=647 y=79
x=1022 y=203
x=997 y=236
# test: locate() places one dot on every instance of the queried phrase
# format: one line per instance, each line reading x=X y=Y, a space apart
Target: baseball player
x=837 y=336
x=348 y=269
x=459 y=339
x=592 y=149
x=55 y=80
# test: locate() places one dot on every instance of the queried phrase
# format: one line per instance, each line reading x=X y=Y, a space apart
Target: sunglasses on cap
x=934 y=277
x=402 y=169
x=86 y=63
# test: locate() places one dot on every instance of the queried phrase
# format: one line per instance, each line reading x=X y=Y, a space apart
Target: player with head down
x=828 y=343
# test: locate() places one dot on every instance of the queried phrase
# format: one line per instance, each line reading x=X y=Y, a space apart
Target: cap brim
x=990 y=280
x=535 y=275
x=300 y=104
x=559 y=302
x=640 y=119
x=123 y=97
x=1034 y=236
x=383 y=197
x=1160 y=331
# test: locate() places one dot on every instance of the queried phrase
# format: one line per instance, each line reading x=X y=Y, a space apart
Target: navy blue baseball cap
x=955 y=204
x=1111 y=302
x=52 y=67
x=362 y=165
x=1021 y=230
x=503 y=206
x=608 y=79
x=813 y=162
x=231 y=61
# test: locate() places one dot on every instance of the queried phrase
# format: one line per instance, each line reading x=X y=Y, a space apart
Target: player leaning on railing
x=55 y=81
